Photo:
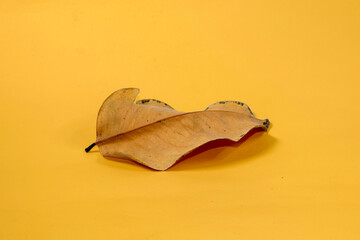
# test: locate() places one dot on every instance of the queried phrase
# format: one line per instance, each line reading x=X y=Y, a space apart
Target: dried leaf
x=154 y=134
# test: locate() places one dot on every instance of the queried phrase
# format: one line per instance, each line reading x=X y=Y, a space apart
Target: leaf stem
x=90 y=147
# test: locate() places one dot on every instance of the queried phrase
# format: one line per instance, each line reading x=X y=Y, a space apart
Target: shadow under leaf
x=217 y=153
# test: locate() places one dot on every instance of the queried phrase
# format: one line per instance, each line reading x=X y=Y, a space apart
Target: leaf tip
x=266 y=123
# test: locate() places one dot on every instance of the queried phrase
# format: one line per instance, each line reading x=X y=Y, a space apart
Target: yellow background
x=294 y=62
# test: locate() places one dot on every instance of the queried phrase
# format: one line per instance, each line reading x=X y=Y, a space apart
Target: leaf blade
x=170 y=134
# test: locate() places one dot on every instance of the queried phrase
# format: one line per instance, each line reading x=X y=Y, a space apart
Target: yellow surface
x=294 y=62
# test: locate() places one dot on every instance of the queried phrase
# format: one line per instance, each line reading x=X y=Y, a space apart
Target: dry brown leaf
x=154 y=134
